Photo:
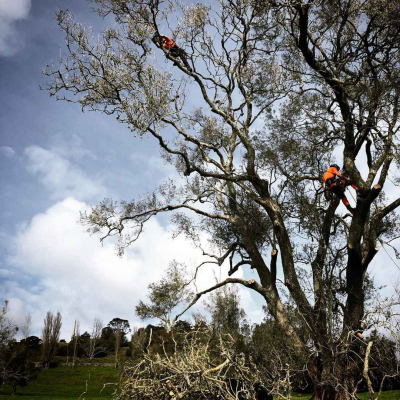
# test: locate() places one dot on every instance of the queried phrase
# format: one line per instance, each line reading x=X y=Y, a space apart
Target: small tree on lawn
x=120 y=327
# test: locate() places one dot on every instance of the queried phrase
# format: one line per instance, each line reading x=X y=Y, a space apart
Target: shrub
x=62 y=350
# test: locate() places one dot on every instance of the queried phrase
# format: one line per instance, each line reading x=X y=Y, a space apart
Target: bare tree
x=282 y=87
x=95 y=336
x=50 y=337
x=26 y=327
x=93 y=346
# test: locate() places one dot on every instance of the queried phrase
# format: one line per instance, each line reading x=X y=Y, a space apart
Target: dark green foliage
x=106 y=333
x=107 y=339
x=84 y=337
x=33 y=342
x=119 y=324
x=20 y=368
x=101 y=354
x=83 y=343
x=182 y=326
x=158 y=339
x=15 y=366
x=33 y=347
x=64 y=349
x=122 y=327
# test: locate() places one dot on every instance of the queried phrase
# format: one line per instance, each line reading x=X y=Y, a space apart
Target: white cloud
x=70 y=271
x=60 y=176
x=70 y=147
x=6 y=150
x=10 y=12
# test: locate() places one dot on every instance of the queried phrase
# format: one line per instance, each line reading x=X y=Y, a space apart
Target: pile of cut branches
x=202 y=366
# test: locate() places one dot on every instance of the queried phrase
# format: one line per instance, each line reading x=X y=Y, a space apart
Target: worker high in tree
x=277 y=89
x=335 y=183
x=171 y=48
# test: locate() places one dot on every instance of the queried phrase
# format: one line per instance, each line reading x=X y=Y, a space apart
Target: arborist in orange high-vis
x=172 y=48
x=336 y=183
x=169 y=45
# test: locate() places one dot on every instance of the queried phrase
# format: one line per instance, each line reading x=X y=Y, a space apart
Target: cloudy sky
x=54 y=162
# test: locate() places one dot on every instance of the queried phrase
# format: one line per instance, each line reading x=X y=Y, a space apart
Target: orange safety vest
x=167 y=43
x=331 y=173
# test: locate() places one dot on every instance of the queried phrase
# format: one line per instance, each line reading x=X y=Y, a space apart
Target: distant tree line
x=21 y=361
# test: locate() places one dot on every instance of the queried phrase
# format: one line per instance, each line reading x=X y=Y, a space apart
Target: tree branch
x=249 y=284
x=391 y=207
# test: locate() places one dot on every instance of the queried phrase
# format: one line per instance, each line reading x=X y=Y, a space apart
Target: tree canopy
x=282 y=89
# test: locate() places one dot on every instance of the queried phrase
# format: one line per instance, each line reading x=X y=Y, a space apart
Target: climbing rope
x=394 y=262
x=351 y=194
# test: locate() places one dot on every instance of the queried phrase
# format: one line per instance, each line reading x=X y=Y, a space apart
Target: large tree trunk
x=330 y=386
x=335 y=373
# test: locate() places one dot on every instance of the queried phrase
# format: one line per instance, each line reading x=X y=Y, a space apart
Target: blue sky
x=54 y=162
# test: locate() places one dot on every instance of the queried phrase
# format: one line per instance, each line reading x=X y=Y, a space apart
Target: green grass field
x=389 y=395
x=110 y=359
x=64 y=383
